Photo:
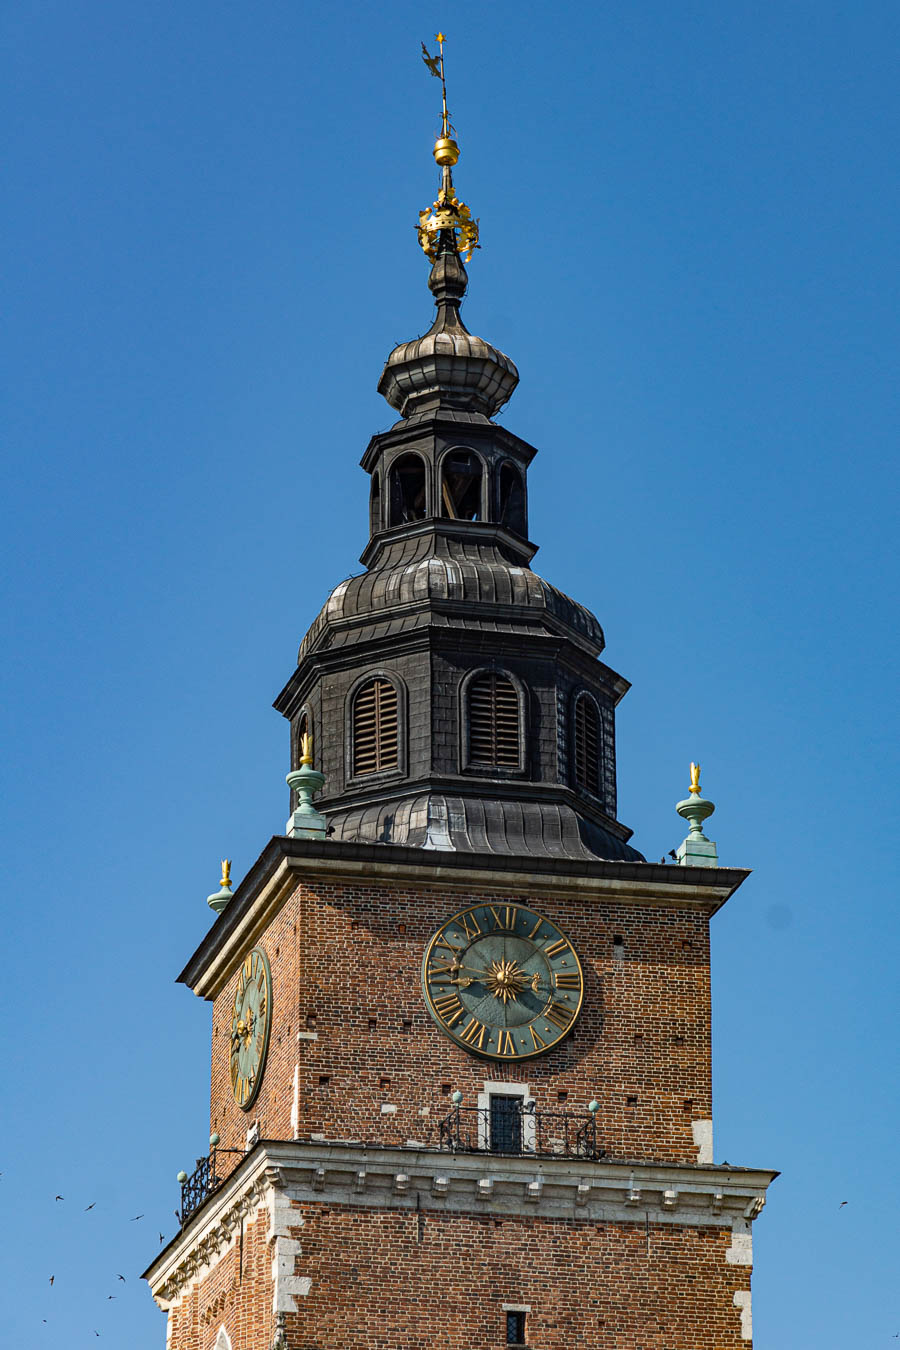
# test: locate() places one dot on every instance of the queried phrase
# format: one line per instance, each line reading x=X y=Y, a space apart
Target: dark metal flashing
x=386 y=859
x=410 y=429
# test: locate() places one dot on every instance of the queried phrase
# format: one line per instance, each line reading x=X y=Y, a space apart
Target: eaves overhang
x=476 y=427
x=285 y=862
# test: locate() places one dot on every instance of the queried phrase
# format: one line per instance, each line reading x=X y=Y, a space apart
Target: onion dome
x=449 y=367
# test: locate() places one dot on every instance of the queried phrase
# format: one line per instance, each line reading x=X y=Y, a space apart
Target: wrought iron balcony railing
x=511 y=1125
x=204 y=1180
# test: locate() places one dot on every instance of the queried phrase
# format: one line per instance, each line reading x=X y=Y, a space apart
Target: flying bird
x=90 y=1206
x=673 y=854
x=52 y=1278
x=109 y=1296
x=60 y=1197
x=842 y=1204
x=162 y=1237
x=136 y=1217
x=122 y=1278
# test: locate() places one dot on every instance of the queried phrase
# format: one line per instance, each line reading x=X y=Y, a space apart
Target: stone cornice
x=426 y=1180
x=286 y=861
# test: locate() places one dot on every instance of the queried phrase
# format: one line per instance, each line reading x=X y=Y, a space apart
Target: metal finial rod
x=306 y=751
x=445 y=117
x=226 y=873
x=436 y=65
x=695 y=778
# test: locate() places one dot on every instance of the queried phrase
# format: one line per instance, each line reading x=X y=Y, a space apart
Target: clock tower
x=461 y=1079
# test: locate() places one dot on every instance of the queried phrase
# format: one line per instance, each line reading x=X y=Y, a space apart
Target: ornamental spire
x=446 y=225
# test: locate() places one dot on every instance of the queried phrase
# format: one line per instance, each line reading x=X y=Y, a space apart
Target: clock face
x=250 y=1022
x=502 y=981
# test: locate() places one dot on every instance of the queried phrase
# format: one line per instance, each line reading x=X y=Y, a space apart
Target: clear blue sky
x=689 y=218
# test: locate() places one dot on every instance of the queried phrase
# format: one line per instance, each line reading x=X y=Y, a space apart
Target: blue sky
x=689 y=219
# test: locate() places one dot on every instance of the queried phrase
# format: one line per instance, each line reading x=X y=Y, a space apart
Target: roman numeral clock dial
x=250 y=1023
x=502 y=982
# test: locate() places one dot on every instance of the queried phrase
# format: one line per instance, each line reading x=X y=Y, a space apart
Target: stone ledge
x=430 y=1180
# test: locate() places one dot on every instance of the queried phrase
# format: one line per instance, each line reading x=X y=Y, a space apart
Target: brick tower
x=461 y=1081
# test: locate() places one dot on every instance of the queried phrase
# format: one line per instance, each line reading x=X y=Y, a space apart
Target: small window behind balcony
x=493 y=721
x=587 y=744
x=375 y=727
x=407 y=490
x=511 y=503
x=461 y=476
x=505 y=1123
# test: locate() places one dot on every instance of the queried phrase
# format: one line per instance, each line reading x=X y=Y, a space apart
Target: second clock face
x=502 y=981
x=250 y=1022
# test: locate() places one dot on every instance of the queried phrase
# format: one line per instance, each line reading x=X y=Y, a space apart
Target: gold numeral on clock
x=473 y=1033
x=507 y=1045
x=449 y=1008
x=566 y=981
x=556 y=947
x=536 y=1040
x=558 y=1015
x=507 y=920
x=464 y=924
x=535 y=928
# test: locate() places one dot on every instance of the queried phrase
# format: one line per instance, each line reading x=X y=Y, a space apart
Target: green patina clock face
x=250 y=1022
x=502 y=981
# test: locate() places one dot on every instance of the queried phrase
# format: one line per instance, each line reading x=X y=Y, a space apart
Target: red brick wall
x=347 y=956
x=390 y=1280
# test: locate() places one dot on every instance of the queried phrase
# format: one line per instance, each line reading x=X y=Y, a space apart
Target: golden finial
x=306 y=742
x=226 y=874
x=695 y=778
x=448 y=212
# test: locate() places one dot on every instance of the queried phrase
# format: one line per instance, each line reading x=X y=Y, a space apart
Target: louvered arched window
x=493 y=721
x=375 y=727
x=587 y=744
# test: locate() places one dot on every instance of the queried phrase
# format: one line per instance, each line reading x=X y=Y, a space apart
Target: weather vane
x=447 y=213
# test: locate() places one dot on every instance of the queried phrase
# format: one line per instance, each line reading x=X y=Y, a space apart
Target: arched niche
x=462 y=485
x=511 y=499
x=375 y=503
x=408 y=495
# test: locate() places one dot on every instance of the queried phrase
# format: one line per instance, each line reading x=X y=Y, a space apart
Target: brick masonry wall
x=346 y=962
x=387 y=1279
x=236 y=1293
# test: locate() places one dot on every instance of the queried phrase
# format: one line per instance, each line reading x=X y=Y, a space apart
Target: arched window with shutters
x=586 y=744
x=375 y=726
x=492 y=721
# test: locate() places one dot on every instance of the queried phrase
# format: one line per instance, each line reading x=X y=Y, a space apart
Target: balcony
x=514 y=1126
x=206 y=1178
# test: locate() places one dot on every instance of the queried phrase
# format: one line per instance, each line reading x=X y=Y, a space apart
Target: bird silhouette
x=52 y=1278
x=842 y=1204
x=122 y=1278
x=136 y=1217
x=162 y=1237
x=673 y=854
x=60 y=1197
x=90 y=1206
x=109 y=1296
